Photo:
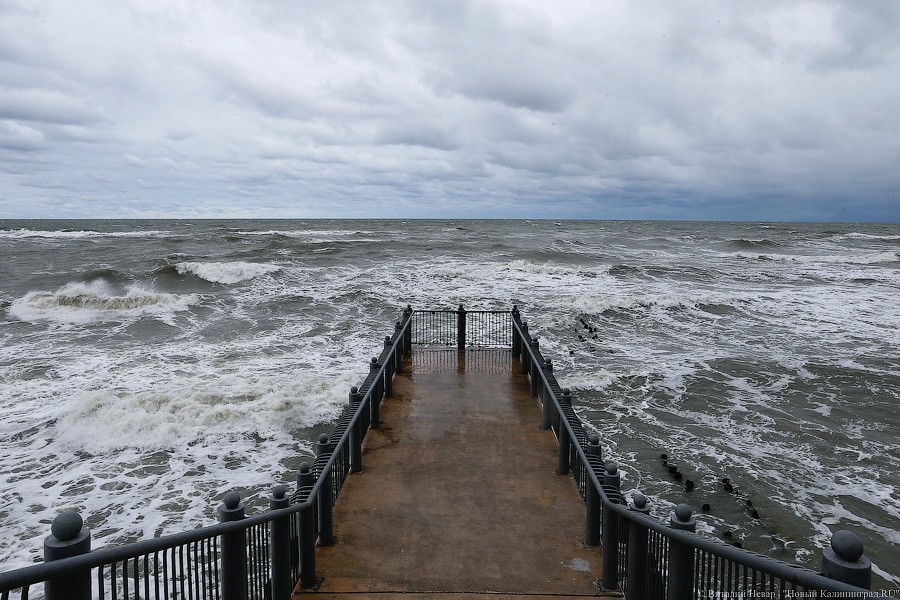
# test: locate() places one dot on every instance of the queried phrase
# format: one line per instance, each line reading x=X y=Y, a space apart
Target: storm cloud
x=464 y=108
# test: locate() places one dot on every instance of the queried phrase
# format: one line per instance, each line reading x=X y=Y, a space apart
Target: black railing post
x=536 y=366
x=398 y=347
x=326 y=494
x=516 y=340
x=68 y=537
x=307 y=523
x=234 y=550
x=461 y=328
x=844 y=560
x=535 y=374
x=562 y=434
x=681 y=556
x=546 y=403
x=280 y=546
x=356 y=433
x=389 y=363
x=592 y=502
x=407 y=342
x=526 y=358
x=611 y=482
x=636 y=576
x=374 y=394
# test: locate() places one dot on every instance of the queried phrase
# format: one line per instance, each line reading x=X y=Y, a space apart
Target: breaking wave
x=70 y=235
x=94 y=301
x=226 y=272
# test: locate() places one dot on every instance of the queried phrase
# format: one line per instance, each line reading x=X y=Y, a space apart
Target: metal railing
x=648 y=559
x=264 y=556
x=462 y=328
x=259 y=557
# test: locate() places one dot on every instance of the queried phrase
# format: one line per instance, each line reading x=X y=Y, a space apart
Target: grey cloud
x=15 y=136
x=580 y=109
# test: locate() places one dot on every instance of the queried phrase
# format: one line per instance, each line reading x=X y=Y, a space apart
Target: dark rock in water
x=749 y=502
x=706 y=508
x=689 y=485
x=754 y=513
x=728 y=487
x=571 y=353
x=673 y=468
x=727 y=535
x=664 y=456
x=677 y=475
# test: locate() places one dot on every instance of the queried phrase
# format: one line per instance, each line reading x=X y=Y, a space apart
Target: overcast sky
x=762 y=110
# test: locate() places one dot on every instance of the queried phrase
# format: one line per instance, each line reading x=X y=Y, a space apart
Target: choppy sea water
x=147 y=367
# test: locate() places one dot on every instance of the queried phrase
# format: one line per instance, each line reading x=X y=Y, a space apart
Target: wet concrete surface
x=458 y=496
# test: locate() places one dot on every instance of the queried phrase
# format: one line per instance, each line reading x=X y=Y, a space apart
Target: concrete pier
x=458 y=497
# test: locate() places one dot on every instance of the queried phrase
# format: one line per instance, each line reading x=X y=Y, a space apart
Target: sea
x=149 y=367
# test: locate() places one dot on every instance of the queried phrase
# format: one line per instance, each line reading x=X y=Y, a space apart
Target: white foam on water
x=870 y=258
x=150 y=437
x=226 y=272
x=96 y=301
x=866 y=236
x=74 y=235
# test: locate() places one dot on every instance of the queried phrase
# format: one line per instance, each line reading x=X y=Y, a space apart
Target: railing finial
x=844 y=560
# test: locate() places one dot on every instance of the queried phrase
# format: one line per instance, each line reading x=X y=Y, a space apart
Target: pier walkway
x=458 y=497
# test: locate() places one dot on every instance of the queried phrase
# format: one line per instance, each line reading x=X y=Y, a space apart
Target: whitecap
x=69 y=235
x=226 y=272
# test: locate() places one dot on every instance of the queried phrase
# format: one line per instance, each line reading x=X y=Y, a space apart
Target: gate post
x=461 y=328
x=68 y=537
